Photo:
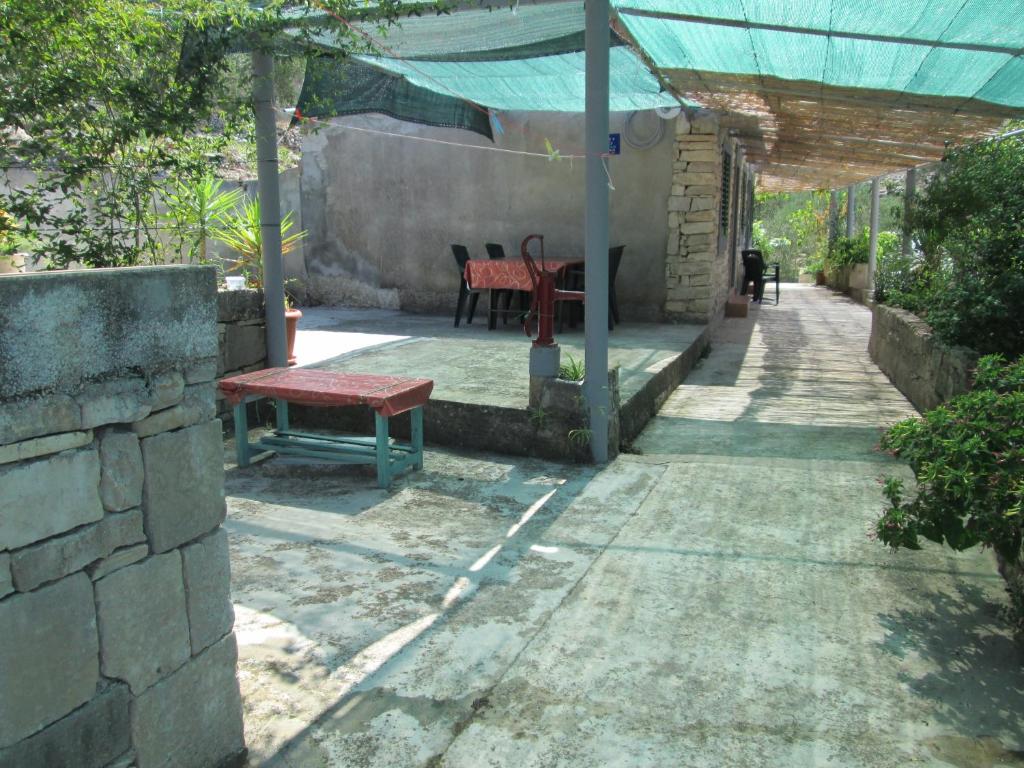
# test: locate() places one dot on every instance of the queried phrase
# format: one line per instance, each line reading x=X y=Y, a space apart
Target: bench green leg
x=416 y=435
x=242 y=448
x=281 y=411
x=383 y=452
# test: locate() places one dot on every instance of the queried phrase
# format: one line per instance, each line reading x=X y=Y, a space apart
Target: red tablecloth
x=508 y=273
x=388 y=395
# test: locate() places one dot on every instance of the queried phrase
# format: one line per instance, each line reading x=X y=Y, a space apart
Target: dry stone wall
x=696 y=273
x=927 y=371
x=241 y=337
x=117 y=646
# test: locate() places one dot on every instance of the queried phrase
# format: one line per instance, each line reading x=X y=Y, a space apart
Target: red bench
x=386 y=395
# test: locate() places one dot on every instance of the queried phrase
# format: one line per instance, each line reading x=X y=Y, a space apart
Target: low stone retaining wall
x=924 y=369
x=117 y=646
x=645 y=404
x=542 y=430
x=241 y=337
x=851 y=279
x=929 y=373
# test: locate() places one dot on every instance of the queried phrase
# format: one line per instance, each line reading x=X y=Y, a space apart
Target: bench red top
x=388 y=395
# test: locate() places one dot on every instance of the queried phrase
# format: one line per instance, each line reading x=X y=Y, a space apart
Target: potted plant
x=240 y=230
x=292 y=315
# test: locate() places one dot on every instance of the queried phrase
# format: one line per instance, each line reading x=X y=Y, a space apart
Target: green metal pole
x=873 y=252
x=851 y=209
x=596 y=226
x=908 y=204
x=270 y=205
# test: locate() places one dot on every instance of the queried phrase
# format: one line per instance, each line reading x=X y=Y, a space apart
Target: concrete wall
x=117 y=646
x=294 y=262
x=382 y=211
x=924 y=369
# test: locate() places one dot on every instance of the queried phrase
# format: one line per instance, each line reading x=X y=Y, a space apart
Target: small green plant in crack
x=573 y=370
x=538 y=417
x=580 y=437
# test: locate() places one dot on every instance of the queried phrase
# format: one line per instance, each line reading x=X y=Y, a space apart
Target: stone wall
x=117 y=646
x=924 y=369
x=851 y=279
x=697 y=264
x=241 y=337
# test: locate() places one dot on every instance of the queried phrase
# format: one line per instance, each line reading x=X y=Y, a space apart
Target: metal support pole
x=596 y=226
x=908 y=204
x=873 y=242
x=833 y=216
x=270 y=206
x=851 y=209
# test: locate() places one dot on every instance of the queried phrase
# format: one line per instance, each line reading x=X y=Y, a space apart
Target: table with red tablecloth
x=509 y=274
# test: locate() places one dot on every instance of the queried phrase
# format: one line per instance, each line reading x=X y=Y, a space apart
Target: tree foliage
x=103 y=103
x=798 y=222
x=93 y=114
x=967 y=279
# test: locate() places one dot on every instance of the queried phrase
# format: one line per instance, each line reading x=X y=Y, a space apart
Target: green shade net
x=544 y=83
x=537 y=30
x=844 y=44
x=450 y=70
x=997 y=23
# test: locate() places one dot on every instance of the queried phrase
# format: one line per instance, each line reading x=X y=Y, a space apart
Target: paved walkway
x=714 y=600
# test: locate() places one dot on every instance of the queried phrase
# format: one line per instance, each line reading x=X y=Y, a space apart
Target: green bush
x=967 y=279
x=857 y=249
x=968 y=459
x=849 y=250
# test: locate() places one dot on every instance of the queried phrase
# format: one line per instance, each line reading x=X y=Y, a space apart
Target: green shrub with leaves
x=195 y=211
x=847 y=251
x=240 y=229
x=968 y=459
x=967 y=280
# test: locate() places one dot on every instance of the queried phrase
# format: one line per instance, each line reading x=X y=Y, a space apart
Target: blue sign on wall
x=614 y=143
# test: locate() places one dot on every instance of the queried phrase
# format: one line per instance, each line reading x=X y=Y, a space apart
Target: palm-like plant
x=239 y=229
x=195 y=211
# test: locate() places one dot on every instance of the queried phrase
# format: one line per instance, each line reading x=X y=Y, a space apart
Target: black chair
x=497 y=251
x=614 y=260
x=461 y=255
x=755 y=271
x=576 y=281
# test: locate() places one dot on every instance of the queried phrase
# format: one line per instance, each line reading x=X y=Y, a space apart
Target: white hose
x=643 y=143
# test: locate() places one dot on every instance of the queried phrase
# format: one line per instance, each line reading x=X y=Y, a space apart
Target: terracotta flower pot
x=291 y=322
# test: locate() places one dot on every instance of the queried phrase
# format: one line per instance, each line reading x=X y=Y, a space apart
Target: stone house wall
x=698 y=267
x=117 y=646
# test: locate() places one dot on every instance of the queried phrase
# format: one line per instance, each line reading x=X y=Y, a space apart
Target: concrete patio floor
x=470 y=364
x=715 y=600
